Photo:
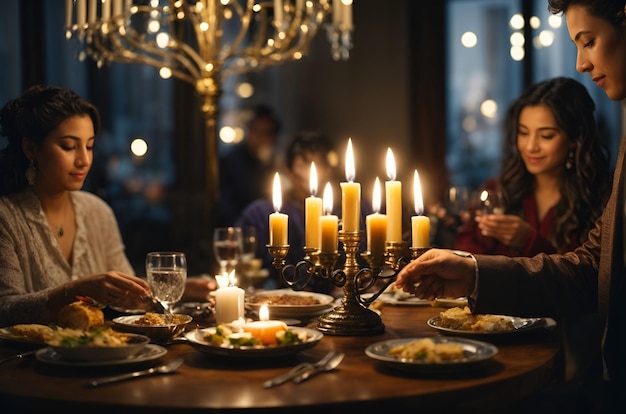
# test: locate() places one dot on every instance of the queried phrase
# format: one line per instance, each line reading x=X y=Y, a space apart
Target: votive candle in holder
x=394 y=201
x=265 y=329
x=420 y=224
x=376 y=224
x=278 y=221
x=351 y=196
x=329 y=223
x=229 y=299
x=312 y=213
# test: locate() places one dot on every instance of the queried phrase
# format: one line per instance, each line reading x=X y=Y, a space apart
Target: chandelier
x=203 y=42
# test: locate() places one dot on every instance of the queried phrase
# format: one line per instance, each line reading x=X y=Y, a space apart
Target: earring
x=569 y=163
x=31 y=173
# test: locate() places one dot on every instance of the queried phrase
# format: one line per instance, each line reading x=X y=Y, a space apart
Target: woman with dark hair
x=555 y=177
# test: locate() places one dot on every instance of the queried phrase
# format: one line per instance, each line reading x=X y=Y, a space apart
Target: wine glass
x=227 y=244
x=167 y=276
x=491 y=202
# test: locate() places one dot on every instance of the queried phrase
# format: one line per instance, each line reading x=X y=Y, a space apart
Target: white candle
x=329 y=223
x=278 y=221
x=229 y=299
x=376 y=224
x=420 y=224
x=69 y=8
x=312 y=212
x=394 y=201
x=351 y=196
x=106 y=10
x=81 y=12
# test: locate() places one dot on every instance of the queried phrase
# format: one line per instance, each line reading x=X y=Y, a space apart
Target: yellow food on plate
x=463 y=319
x=31 y=332
x=80 y=315
x=427 y=350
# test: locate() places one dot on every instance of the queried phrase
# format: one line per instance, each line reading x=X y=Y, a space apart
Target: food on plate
x=31 y=332
x=80 y=315
x=284 y=299
x=463 y=319
x=102 y=336
x=157 y=319
x=228 y=335
x=427 y=350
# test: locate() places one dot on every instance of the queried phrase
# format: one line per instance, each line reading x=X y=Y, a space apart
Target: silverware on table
x=162 y=369
x=17 y=356
x=331 y=364
x=299 y=369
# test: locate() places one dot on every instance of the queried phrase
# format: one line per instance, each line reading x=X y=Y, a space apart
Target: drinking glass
x=167 y=276
x=227 y=244
x=491 y=202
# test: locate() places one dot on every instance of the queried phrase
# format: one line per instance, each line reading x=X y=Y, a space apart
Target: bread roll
x=80 y=315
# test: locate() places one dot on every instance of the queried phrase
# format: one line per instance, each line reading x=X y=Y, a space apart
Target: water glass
x=167 y=276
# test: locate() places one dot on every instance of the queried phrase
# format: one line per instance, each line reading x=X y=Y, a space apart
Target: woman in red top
x=555 y=177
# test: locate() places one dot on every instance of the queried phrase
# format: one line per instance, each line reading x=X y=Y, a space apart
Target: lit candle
x=229 y=299
x=69 y=8
x=265 y=329
x=93 y=8
x=351 y=196
x=81 y=12
x=346 y=14
x=312 y=212
x=329 y=223
x=278 y=221
x=420 y=224
x=278 y=11
x=337 y=9
x=394 y=201
x=106 y=10
x=376 y=224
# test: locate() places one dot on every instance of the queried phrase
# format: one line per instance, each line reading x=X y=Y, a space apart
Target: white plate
x=525 y=325
x=391 y=299
x=293 y=311
x=134 y=344
x=148 y=353
x=451 y=302
x=196 y=339
x=6 y=335
x=475 y=352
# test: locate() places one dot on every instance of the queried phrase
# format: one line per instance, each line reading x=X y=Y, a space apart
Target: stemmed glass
x=491 y=202
x=167 y=276
x=227 y=244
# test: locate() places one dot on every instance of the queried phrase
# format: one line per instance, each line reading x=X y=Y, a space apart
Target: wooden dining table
x=523 y=364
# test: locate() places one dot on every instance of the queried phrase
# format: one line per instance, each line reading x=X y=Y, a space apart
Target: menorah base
x=350 y=319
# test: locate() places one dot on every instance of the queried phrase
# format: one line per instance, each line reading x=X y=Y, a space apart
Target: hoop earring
x=31 y=173
x=569 y=163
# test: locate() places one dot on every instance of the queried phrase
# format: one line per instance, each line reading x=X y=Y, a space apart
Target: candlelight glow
x=350 y=170
x=313 y=180
x=277 y=195
x=376 y=196
x=391 y=165
x=328 y=199
x=417 y=192
x=264 y=313
x=226 y=280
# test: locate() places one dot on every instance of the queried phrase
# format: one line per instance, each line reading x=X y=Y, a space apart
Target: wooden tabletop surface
x=208 y=383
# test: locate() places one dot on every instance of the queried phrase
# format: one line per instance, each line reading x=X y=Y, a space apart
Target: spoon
x=328 y=366
x=162 y=369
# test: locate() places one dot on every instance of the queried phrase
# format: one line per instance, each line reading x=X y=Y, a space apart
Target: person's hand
x=437 y=274
x=508 y=229
x=198 y=289
x=111 y=288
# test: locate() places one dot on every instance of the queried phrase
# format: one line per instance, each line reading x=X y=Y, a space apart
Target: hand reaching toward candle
x=438 y=273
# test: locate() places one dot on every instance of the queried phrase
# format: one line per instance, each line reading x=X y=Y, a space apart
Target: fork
x=293 y=372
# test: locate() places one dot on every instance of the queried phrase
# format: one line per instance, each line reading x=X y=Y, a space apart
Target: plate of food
x=223 y=341
x=287 y=303
x=148 y=353
x=153 y=325
x=431 y=355
x=26 y=335
x=461 y=322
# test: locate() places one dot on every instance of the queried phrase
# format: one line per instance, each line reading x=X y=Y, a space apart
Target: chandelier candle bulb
x=329 y=223
x=420 y=225
x=351 y=196
x=106 y=10
x=278 y=221
x=81 y=12
x=69 y=8
x=91 y=12
x=117 y=7
x=229 y=299
x=376 y=224
x=312 y=212
x=394 y=201
x=265 y=329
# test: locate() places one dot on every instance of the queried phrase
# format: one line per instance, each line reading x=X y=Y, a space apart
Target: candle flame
x=391 y=165
x=328 y=199
x=264 y=313
x=225 y=280
x=376 y=196
x=350 y=171
x=313 y=180
x=277 y=195
x=417 y=193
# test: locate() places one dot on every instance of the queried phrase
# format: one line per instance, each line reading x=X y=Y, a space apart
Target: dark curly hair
x=587 y=184
x=34 y=115
x=610 y=10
